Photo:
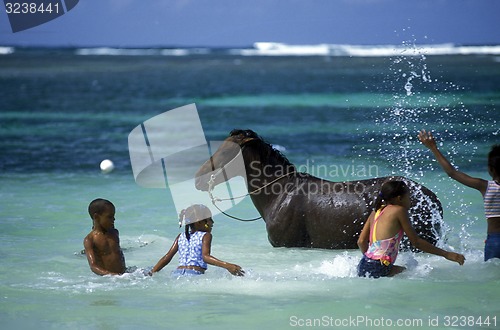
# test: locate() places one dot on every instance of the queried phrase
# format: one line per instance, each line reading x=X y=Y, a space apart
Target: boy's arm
x=88 y=244
x=428 y=140
x=165 y=260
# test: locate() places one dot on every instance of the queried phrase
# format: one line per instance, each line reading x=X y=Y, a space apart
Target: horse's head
x=225 y=154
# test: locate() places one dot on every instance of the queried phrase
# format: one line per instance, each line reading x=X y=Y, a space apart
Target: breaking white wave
x=109 y=51
x=6 y=50
x=281 y=49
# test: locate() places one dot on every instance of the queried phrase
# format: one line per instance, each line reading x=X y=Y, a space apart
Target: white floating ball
x=107 y=166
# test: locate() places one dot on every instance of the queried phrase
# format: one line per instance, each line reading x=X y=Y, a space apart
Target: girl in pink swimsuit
x=382 y=232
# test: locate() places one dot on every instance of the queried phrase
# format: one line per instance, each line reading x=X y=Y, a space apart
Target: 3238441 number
x=31 y=8
x=470 y=321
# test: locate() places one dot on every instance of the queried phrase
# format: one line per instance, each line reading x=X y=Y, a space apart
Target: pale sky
x=230 y=23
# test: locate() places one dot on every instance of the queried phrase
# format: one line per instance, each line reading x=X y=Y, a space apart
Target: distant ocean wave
x=6 y=50
x=142 y=51
x=282 y=49
x=277 y=49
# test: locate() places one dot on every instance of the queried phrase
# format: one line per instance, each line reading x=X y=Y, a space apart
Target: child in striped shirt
x=489 y=189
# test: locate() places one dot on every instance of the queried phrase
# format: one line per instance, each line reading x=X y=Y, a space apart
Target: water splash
x=341 y=266
x=421 y=101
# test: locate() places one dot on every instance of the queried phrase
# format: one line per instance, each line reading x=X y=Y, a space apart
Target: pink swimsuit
x=385 y=250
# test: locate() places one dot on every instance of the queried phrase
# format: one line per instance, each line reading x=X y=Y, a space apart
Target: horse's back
x=324 y=214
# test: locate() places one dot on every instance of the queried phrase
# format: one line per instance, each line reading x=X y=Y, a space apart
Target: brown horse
x=301 y=210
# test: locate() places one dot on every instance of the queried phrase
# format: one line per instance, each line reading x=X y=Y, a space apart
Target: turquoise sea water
x=62 y=113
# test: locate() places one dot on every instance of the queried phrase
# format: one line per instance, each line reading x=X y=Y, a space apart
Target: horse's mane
x=265 y=149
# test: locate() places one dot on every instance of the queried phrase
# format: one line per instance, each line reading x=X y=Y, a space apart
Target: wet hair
x=390 y=190
x=195 y=213
x=99 y=206
x=494 y=159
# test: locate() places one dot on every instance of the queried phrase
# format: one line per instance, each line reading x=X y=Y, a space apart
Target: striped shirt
x=492 y=200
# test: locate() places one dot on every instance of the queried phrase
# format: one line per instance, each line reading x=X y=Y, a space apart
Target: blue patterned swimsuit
x=190 y=250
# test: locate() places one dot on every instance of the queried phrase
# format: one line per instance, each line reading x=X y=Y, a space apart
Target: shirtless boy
x=102 y=244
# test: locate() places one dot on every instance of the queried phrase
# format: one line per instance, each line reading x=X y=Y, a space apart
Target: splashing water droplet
x=408 y=87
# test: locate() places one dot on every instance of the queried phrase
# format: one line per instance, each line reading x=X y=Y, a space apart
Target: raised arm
x=428 y=140
x=209 y=259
